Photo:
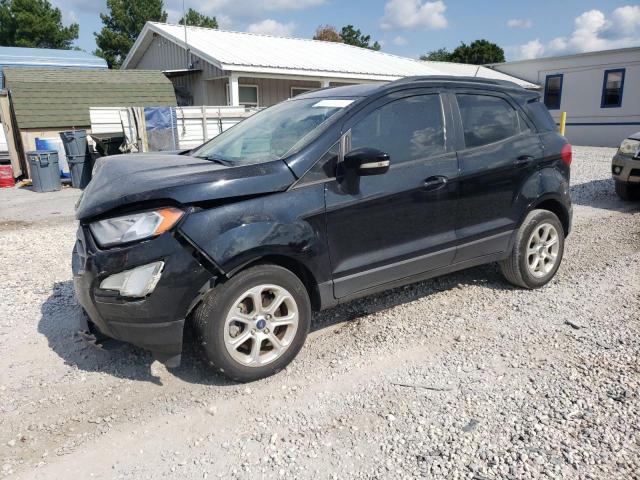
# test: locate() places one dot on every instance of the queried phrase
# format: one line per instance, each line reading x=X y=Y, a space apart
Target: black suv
x=333 y=195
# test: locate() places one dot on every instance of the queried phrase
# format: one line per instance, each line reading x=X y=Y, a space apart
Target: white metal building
x=600 y=91
x=217 y=67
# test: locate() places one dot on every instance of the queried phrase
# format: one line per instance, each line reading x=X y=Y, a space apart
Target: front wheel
x=253 y=325
x=537 y=251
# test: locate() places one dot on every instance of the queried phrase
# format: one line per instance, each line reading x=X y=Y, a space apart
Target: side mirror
x=367 y=161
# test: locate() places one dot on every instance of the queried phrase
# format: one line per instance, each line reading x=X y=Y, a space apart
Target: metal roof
x=249 y=52
x=266 y=54
x=47 y=57
x=61 y=97
x=468 y=70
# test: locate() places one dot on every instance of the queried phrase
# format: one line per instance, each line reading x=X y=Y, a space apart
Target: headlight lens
x=137 y=226
x=136 y=283
x=629 y=147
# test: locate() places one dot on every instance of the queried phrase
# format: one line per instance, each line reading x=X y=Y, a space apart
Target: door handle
x=524 y=160
x=435 y=182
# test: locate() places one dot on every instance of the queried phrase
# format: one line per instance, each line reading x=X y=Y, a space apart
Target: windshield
x=273 y=133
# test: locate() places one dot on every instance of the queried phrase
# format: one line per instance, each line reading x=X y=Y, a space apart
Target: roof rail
x=453 y=78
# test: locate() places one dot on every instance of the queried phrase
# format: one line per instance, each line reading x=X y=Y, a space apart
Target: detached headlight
x=136 y=226
x=629 y=147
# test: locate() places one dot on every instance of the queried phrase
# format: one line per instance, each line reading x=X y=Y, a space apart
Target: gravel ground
x=458 y=377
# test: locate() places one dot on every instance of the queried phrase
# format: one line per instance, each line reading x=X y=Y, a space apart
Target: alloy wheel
x=542 y=250
x=261 y=325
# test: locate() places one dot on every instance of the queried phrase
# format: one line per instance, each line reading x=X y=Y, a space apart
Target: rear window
x=541 y=117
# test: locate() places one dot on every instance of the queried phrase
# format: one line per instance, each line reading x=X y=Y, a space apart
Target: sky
x=413 y=27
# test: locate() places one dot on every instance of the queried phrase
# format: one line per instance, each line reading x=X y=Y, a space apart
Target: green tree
x=478 y=52
x=351 y=36
x=440 y=55
x=327 y=33
x=34 y=23
x=196 y=19
x=123 y=24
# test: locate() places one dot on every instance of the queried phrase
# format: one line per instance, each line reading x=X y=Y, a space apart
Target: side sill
x=474 y=262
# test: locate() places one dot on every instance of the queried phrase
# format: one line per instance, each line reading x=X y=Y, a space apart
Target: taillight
x=565 y=153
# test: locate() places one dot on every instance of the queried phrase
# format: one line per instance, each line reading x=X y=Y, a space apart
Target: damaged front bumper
x=155 y=322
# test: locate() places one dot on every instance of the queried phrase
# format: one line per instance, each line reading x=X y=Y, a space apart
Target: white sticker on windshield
x=333 y=103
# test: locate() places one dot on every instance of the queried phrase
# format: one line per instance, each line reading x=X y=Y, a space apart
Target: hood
x=635 y=136
x=126 y=179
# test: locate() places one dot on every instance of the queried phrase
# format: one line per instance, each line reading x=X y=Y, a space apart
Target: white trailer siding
x=588 y=122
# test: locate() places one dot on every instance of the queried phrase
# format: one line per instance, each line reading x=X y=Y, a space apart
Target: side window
x=487 y=119
x=324 y=168
x=407 y=129
x=553 y=91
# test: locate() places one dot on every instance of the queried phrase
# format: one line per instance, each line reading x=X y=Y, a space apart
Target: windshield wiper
x=219 y=160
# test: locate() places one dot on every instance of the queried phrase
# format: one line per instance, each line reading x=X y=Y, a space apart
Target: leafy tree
x=328 y=34
x=478 y=52
x=440 y=55
x=122 y=26
x=351 y=36
x=348 y=35
x=34 y=23
x=197 y=19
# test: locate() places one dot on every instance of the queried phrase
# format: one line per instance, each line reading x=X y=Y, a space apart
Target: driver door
x=402 y=222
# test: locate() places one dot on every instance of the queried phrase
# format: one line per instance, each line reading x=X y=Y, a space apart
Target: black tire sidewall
x=627 y=191
x=217 y=310
x=532 y=223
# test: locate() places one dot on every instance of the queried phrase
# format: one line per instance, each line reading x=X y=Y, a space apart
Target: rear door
x=498 y=150
x=402 y=222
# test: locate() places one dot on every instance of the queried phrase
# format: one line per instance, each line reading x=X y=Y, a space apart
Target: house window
x=612 y=88
x=248 y=95
x=299 y=90
x=553 y=91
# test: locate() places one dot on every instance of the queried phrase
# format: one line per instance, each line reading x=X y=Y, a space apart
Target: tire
x=229 y=338
x=520 y=267
x=627 y=191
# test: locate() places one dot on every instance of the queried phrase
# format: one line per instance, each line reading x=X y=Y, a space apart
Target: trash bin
x=80 y=167
x=108 y=143
x=45 y=173
x=75 y=142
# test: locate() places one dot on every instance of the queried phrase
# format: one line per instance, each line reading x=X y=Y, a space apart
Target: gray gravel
x=458 y=377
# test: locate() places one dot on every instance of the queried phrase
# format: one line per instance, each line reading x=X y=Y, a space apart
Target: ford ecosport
x=333 y=195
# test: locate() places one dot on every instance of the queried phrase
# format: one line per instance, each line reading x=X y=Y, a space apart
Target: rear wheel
x=627 y=191
x=253 y=325
x=537 y=251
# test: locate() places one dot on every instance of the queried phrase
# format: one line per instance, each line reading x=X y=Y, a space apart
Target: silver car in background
x=625 y=168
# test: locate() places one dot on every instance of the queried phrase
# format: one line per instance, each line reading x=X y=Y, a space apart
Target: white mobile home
x=600 y=91
x=217 y=67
